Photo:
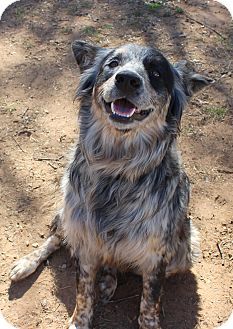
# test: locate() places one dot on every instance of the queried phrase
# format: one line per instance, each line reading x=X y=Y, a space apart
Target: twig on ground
x=48 y=159
x=56 y=308
x=219 y=249
x=18 y=144
x=62 y=288
x=23 y=114
x=225 y=171
x=52 y=166
x=205 y=25
x=122 y=299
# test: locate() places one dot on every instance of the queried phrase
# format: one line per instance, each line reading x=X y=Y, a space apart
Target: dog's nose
x=128 y=81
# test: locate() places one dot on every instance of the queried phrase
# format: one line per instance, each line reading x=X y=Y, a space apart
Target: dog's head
x=133 y=86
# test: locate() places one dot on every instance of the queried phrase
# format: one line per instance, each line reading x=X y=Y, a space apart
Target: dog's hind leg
x=29 y=263
x=107 y=283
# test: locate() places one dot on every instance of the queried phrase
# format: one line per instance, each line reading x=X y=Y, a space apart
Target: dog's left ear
x=192 y=81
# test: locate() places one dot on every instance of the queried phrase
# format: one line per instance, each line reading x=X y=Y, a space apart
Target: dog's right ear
x=89 y=58
x=84 y=54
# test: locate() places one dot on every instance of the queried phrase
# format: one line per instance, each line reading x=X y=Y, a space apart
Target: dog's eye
x=156 y=74
x=113 y=63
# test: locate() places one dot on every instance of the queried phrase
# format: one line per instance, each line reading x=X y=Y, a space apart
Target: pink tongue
x=123 y=108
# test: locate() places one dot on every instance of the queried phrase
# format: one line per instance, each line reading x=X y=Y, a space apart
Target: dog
x=125 y=192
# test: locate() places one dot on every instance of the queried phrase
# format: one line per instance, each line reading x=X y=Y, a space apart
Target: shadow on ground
x=179 y=303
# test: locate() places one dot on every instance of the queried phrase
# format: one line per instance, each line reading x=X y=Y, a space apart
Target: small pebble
x=44 y=303
x=35 y=245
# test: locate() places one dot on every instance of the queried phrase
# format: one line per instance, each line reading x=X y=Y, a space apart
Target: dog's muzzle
x=123 y=110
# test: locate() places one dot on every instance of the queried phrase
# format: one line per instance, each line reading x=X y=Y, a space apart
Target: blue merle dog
x=125 y=192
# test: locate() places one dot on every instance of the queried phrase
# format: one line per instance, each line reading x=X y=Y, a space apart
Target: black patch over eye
x=113 y=63
x=159 y=72
x=155 y=77
x=156 y=74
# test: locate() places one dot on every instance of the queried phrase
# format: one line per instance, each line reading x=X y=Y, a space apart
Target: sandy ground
x=38 y=125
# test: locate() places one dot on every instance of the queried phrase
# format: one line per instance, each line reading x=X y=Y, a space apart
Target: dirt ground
x=38 y=125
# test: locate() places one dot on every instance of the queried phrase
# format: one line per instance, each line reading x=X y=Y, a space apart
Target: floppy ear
x=192 y=81
x=84 y=54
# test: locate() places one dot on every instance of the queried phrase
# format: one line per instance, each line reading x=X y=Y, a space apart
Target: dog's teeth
x=112 y=108
x=124 y=115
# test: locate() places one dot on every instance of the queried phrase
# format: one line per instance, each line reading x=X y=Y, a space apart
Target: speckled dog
x=125 y=192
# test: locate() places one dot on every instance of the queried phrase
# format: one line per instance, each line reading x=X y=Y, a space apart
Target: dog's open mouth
x=124 y=111
x=123 y=108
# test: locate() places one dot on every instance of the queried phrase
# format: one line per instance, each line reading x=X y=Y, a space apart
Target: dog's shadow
x=180 y=302
x=179 y=307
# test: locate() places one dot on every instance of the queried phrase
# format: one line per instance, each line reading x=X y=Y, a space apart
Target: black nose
x=128 y=81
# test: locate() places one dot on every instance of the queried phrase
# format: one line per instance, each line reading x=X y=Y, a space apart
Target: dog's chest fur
x=121 y=221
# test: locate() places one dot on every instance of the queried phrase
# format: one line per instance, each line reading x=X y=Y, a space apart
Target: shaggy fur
x=125 y=192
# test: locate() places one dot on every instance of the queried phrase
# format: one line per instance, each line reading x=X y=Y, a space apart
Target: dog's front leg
x=149 y=308
x=82 y=316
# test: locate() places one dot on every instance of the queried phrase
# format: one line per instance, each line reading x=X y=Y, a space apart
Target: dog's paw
x=22 y=268
x=107 y=284
x=148 y=322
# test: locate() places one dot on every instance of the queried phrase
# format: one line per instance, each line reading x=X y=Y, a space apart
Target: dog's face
x=133 y=85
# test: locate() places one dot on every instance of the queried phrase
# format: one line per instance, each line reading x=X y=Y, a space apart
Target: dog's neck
x=132 y=153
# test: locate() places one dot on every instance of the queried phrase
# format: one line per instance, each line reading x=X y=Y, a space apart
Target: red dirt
x=38 y=125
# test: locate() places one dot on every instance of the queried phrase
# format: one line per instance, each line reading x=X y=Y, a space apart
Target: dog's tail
x=188 y=250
